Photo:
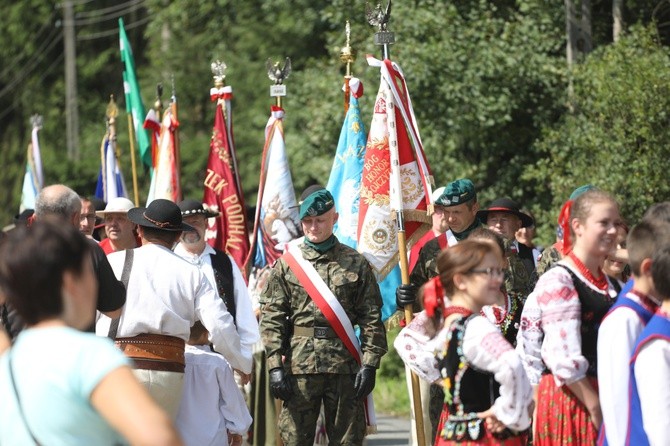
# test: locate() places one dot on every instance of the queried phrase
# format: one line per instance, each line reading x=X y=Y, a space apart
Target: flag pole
x=133 y=163
x=277 y=90
x=177 y=151
x=112 y=113
x=347 y=56
x=380 y=17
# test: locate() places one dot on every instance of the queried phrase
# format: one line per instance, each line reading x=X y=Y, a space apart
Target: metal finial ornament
x=112 y=109
x=219 y=73
x=275 y=73
x=380 y=18
x=158 y=105
x=36 y=121
x=173 y=98
x=112 y=113
x=347 y=54
x=278 y=75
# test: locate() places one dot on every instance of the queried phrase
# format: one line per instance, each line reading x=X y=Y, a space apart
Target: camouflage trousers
x=344 y=414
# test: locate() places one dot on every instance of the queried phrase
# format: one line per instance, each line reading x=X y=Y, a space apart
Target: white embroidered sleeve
x=415 y=349
x=561 y=322
x=485 y=348
x=529 y=340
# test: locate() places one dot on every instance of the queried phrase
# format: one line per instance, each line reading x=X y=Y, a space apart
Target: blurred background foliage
x=493 y=95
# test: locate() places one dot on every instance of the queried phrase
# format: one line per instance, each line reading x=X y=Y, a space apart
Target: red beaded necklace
x=454 y=309
x=600 y=283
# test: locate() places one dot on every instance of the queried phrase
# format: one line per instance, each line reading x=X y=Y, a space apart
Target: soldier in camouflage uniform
x=308 y=363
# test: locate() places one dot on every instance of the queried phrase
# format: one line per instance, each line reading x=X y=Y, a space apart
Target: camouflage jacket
x=286 y=304
x=426 y=265
x=548 y=258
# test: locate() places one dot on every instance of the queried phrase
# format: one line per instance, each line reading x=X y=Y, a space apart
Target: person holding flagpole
x=317 y=292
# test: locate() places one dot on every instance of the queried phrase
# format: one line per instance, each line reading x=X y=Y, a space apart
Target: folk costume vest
x=468 y=390
x=657 y=328
x=645 y=313
x=223 y=275
x=595 y=306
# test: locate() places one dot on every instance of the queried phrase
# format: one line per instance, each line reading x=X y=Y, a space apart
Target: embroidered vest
x=595 y=306
x=657 y=328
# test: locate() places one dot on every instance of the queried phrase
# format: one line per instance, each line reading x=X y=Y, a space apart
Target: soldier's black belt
x=314 y=332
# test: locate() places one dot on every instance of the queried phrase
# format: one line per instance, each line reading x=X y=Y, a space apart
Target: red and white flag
x=223 y=193
x=277 y=220
x=165 y=182
x=396 y=175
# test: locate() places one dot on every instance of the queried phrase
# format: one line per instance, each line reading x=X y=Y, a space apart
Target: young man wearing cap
x=121 y=232
x=222 y=273
x=165 y=296
x=317 y=292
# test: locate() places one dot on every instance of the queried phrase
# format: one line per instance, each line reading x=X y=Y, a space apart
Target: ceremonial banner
x=394 y=157
x=33 y=180
x=134 y=105
x=152 y=123
x=277 y=220
x=345 y=185
x=165 y=182
x=110 y=179
x=223 y=192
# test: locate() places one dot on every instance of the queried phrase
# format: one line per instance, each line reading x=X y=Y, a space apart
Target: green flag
x=134 y=104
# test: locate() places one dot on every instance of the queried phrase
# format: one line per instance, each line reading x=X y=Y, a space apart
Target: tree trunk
x=617 y=15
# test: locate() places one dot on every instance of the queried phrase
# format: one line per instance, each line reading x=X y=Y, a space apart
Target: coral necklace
x=600 y=283
x=454 y=309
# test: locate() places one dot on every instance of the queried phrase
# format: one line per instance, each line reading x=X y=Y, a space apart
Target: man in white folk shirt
x=222 y=273
x=165 y=296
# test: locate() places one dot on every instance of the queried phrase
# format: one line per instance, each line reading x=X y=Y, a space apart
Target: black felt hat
x=194 y=207
x=160 y=214
x=508 y=206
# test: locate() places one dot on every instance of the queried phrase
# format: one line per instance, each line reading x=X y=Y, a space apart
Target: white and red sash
x=447 y=239
x=324 y=298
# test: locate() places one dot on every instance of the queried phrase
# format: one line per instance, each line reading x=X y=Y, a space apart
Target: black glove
x=405 y=295
x=280 y=386
x=365 y=381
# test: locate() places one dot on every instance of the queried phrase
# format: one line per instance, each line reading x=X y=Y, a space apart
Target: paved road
x=391 y=432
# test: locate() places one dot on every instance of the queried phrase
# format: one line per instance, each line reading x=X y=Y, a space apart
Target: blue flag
x=345 y=184
x=110 y=180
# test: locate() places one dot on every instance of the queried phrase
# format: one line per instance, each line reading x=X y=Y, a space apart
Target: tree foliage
x=488 y=81
x=618 y=137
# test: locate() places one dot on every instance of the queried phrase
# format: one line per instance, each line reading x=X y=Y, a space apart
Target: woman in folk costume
x=573 y=297
x=487 y=393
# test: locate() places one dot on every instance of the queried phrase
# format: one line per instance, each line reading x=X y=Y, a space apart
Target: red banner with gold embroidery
x=227 y=232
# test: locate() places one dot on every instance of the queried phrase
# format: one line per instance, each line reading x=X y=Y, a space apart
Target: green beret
x=457 y=192
x=316 y=203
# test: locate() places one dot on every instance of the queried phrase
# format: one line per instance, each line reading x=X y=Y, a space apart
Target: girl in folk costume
x=573 y=297
x=487 y=393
